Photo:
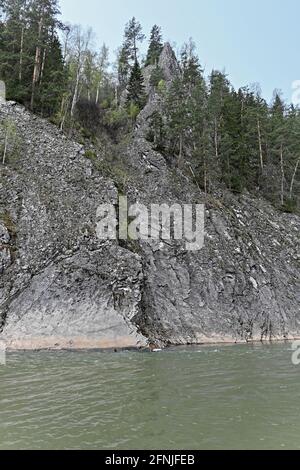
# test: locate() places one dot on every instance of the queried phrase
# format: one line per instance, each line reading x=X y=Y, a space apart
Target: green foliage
x=133 y=111
x=184 y=105
x=123 y=67
x=116 y=118
x=31 y=60
x=10 y=143
x=128 y=54
x=228 y=137
x=161 y=87
x=157 y=77
x=157 y=133
x=91 y=155
x=7 y=220
x=290 y=206
x=89 y=116
x=155 y=46
x=135 y=89
x=115 y=168
x=223 y=137
x=133 y=35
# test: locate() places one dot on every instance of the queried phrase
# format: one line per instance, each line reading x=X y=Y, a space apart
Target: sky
x=255 y=41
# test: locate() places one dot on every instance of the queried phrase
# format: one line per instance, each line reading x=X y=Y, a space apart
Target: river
x=216 y=397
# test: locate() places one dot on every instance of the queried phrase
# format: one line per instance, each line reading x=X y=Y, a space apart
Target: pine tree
x=53 y=80
x=29 y=36
x=133 y=36
x=278 y=147
x=135 y=90
x=13 y=57
x=128 y=55
x=177 y=118
x=44 y=17
x=232 y=146
x=219 y=134
x=157 y=131
x=293 y=156
x=155 y=46
x=254 y=116
x=185 y=105
x=219 y=88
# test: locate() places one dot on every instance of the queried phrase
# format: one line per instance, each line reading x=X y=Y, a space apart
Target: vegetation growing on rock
x=228 y=138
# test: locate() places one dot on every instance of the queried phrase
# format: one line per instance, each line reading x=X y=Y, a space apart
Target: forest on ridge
x=230 y=138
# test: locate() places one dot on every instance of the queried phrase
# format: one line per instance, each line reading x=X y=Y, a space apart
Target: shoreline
x=122 y=343
x=69 y=344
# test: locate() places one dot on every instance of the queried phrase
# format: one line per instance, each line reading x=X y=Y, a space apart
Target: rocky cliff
x=61 y=286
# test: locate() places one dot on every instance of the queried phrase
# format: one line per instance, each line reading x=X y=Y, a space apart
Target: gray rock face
x=62 y=287
x=5 y=255
x=88 y=299
x=57 y=279
x=168 y=62
x=244 y=285
x=147 y=72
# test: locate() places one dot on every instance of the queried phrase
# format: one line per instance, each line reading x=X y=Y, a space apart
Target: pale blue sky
x=255 y=41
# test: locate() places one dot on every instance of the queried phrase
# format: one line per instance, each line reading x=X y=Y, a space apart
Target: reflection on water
x=231 y=397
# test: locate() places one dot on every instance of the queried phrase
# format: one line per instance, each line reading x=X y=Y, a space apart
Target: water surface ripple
x=220 y=397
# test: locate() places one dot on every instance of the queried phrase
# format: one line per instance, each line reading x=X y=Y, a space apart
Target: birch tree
x=80 y=42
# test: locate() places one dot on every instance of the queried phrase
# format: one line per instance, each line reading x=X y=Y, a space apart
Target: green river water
x=219 y=397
